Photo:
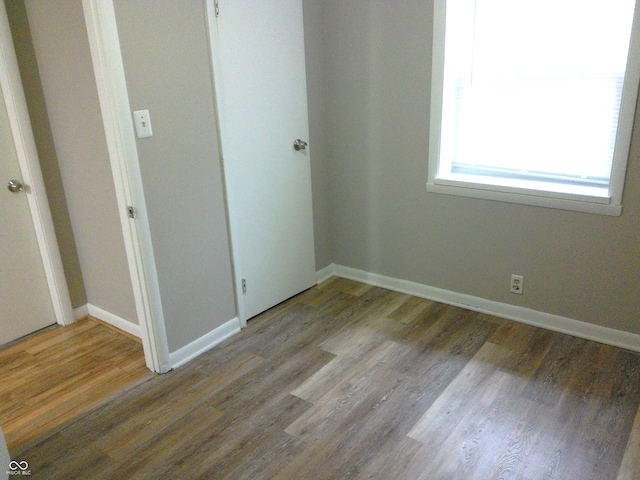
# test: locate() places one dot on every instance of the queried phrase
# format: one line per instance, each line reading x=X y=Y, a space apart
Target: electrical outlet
x=517 y=284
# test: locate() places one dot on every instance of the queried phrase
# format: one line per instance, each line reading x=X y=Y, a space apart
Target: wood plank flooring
x=55 y=374
x=352 y=381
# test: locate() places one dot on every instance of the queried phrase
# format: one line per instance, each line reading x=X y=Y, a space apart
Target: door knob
x=300 y=144
x=15 y=186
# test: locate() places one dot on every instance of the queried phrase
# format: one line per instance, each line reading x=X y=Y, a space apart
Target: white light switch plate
x=143 y=123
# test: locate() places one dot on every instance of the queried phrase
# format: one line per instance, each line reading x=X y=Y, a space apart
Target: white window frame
x=527 y=192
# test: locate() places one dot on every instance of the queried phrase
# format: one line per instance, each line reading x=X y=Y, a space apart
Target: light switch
x=143 y=123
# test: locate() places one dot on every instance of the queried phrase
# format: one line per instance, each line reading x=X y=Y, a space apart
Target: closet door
x=262 y=95
x=25 y=301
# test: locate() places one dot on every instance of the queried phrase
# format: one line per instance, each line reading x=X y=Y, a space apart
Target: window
x=533 y=101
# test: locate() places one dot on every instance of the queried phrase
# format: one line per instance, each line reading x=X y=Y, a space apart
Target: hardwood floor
x=53 y=375
x=352 y=381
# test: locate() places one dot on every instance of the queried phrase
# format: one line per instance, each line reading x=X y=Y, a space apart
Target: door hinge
x=244 y=285
x=132 y=212
x=217 y=7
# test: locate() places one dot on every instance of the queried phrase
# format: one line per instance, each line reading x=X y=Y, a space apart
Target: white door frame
x=218 y=89
x=16 y=104
x=116 y=114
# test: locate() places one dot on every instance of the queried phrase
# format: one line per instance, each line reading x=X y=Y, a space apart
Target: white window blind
x=531 y=92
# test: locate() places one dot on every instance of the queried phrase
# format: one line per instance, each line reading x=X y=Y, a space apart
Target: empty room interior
x=284 y=252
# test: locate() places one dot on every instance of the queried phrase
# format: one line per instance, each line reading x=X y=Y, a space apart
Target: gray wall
x=64 y=62
x=376 y=58
x=46 y=149
x=5 y=458
x=316 y=97
x=167 y=66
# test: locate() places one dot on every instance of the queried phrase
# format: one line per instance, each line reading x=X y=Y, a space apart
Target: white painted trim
x=557 y=323
x=205 y=343
x=325 y=273
x=515 y=191
x=116 y=113
x=218 y=89
x=81 y=311
x=108 y=317
x=116 y=321
x=523 y=197
x=627 y=112
x=437 y=87
x=16 y=104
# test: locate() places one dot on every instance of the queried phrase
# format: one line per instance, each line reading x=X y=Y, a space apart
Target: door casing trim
x=218 y=90
x=118 y=124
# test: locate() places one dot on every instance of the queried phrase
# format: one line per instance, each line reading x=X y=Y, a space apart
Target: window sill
x=579 y=199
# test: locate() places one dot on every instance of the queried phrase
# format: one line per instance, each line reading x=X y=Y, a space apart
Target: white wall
x=64 y=60
x=376 y=58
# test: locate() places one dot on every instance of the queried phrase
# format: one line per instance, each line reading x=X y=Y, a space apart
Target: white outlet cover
x=142 y=121
x=517 y=284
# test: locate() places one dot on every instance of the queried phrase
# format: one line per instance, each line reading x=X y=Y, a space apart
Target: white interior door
x=262 y=95
x=25 y=301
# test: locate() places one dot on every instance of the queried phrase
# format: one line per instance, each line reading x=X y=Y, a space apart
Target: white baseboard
x=81 y=311
x=204 y=343
x=325 y=273
x=108 y=317
x=577 y=328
